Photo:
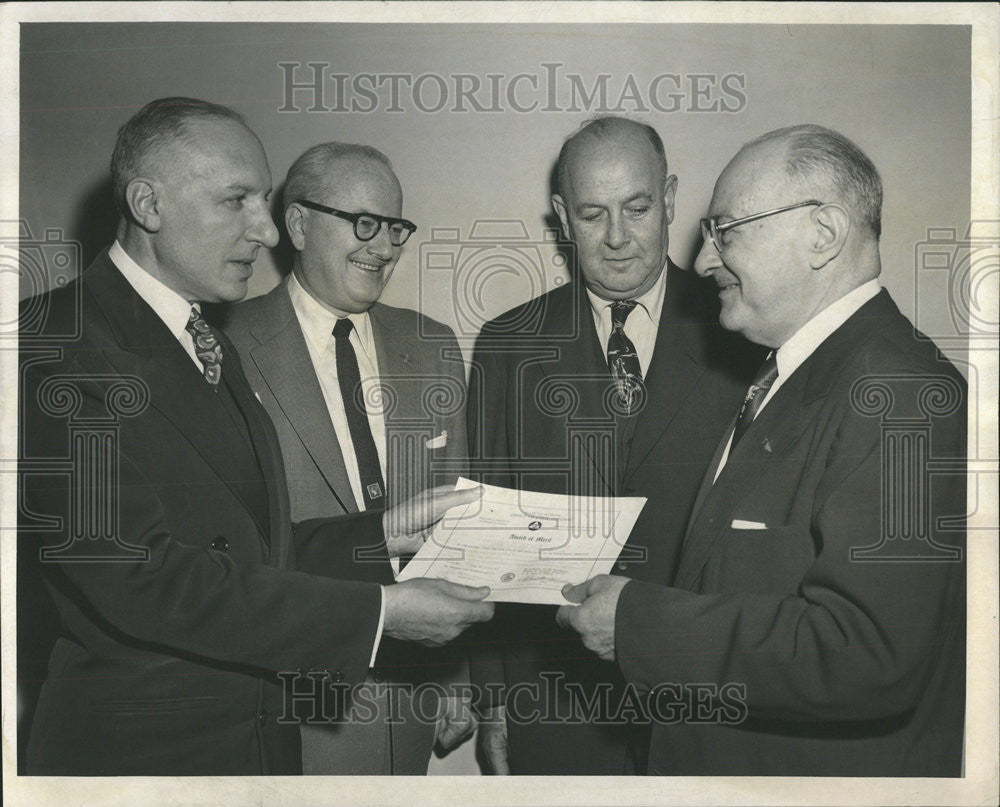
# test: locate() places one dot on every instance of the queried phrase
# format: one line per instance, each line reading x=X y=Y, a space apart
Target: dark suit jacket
x=167 y=654
x=839 y=628
x=539 y=419
x=422 y=376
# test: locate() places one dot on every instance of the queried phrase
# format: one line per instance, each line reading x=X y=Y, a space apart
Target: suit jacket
x=540 y=420
x=174 y=625
x=422 y=376
x=831 y=638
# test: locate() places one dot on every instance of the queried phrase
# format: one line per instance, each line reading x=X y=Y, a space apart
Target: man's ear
x=296 y=222
x=142 y=203
x=559 y=205
x=669 y=191
x=831 y=228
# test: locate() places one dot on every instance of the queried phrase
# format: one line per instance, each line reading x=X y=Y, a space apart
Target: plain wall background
x=901 y=92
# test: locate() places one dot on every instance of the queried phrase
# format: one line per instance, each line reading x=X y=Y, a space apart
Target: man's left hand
x=594 y=617
x=456 y=722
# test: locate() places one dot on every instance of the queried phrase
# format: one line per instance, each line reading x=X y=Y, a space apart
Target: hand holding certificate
x=526 y=546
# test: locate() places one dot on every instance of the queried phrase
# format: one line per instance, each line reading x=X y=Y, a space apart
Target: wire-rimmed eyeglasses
x=710 y=228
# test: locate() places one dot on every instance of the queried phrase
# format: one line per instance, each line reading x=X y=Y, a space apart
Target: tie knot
x=196 y=322
x=343 y=328
x=620 y=311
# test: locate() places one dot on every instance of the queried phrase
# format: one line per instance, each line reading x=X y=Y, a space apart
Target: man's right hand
x=433 y=612
x=492 y=742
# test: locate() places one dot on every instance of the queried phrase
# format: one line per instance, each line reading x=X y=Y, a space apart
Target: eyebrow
x=645 y=197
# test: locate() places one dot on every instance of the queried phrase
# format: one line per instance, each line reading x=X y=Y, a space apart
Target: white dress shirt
x=317 y=323
x=642 y=324
x=803 y=343
x=166 y=303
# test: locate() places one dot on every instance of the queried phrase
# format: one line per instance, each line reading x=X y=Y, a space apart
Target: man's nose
x=262 y=230
x=708 y=259
x=616 y=235
x=381 y=245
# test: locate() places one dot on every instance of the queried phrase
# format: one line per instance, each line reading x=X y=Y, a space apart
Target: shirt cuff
x=381 y=624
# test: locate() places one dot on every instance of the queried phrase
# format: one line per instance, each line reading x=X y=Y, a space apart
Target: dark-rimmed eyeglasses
x=710 y=228
x=367 y=225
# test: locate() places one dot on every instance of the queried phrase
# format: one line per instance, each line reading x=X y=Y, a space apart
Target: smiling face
x=212 y=187
x=334 y=266
x=766 y=285
x=616 y=206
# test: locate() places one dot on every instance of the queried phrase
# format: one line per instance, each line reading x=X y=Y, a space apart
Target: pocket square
x=740 y=524
x=438 y=442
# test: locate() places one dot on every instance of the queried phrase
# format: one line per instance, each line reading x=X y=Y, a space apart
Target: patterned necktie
x=623 y=362
x=349 y=378
x=206 y=346
x=755 y=396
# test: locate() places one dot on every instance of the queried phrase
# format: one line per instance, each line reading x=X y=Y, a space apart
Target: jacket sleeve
x=183 y=598
x=857 y=638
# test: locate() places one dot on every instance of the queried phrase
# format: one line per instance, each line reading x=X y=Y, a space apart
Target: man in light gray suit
x=368 y=403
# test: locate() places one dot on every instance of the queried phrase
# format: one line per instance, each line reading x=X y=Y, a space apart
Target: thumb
x=461 y=592
x=578 y=593
x=447 y=499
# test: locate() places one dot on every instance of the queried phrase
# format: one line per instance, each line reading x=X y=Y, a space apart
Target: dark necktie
x=623 y=362
x=349 y=378
x=755 y=396
x=206 y=346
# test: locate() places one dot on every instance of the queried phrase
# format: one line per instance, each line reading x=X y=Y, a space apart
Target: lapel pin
x=766 y=445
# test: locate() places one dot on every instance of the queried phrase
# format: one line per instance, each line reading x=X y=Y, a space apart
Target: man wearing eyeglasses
x=617 y=384
x=819 y=603
x=367 y=400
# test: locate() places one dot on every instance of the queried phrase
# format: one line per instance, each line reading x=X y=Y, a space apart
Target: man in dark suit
x=185 y=600
x=819 y=604
x=566 y=399
x=343 y=208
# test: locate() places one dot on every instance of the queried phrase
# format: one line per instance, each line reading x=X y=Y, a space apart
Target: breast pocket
x=765 y=561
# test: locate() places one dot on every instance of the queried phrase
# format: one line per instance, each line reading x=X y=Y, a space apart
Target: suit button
x=220 y=544
x=378 y=676
x=261 y=717
x=338 y=677
x=622 y=565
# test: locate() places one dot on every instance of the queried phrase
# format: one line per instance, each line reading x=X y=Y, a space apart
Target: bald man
x=368 y=402
x=819 y=604
x=650 y=380
x=185 y=599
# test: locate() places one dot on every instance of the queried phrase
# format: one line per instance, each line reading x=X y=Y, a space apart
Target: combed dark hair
x=149 y=129
x=605 y=127
x=309 y=174
x=820 y=155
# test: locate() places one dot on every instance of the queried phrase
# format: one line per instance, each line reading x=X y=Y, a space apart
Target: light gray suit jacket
x=423 y=384
x=422 y=380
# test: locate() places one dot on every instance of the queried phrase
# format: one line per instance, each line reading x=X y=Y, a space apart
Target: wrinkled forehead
x=213 y=148
x=355 y=183
x=624 y=161
x=755 y=179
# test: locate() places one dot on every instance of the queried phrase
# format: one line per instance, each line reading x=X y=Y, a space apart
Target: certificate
x=524 y=545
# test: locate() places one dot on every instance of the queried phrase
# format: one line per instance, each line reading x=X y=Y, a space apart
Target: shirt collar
x=810 y=336
x=317 y=320
x=168 y=305
x=651 y=302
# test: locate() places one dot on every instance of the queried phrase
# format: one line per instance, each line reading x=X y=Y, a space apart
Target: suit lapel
x=673 y=373
x=282 y=358
x=772 y=435
x=177 y=389
x=583 y=366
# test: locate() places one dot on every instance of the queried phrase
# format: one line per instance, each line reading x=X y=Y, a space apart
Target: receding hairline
x=604 y=130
